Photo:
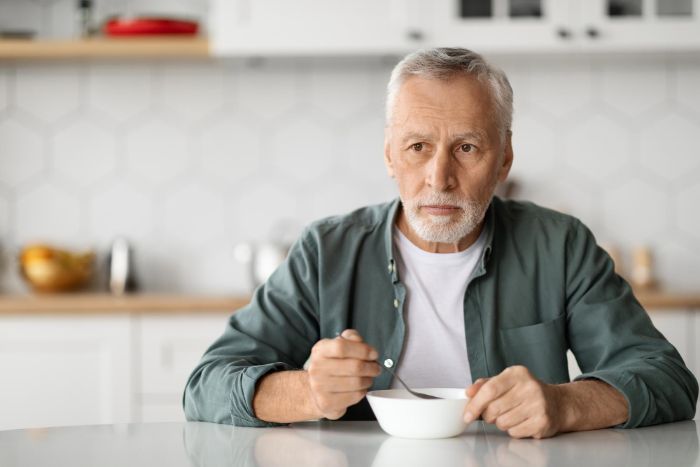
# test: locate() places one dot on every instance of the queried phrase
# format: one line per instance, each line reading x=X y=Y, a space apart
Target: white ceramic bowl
x=403 y=415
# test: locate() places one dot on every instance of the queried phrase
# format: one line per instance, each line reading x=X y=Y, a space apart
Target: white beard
x=444 y=229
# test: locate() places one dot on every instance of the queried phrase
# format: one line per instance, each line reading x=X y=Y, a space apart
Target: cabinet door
x=305 y=27
x=64 y=370
x=639 y=25
x=170 y=347
x=500 y=26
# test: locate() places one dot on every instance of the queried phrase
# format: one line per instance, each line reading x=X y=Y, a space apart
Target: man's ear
x=387 y=154
x=504 y=169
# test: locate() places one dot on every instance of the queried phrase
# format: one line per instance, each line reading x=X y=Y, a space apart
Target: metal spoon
x=411 y=391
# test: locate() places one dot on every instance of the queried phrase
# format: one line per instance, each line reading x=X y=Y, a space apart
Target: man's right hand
x=340 y=372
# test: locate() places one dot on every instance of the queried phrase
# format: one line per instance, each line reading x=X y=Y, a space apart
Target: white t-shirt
x=435 y=347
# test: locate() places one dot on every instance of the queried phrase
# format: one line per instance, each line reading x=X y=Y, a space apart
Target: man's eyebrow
x=414 y=135
x=477 y=134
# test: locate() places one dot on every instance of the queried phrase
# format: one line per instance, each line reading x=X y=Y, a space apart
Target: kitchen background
x=187 y=158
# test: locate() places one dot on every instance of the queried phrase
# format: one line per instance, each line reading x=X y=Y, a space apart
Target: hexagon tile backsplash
x=186 y=159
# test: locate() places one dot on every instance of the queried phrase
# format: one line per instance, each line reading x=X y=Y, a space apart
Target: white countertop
x=330 y=444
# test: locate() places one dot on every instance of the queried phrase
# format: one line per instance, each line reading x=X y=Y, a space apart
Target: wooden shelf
x=95 y=303
x=87 y=303
x=103 y=48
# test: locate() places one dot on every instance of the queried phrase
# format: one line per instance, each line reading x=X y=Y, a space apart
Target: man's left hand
x=516 y=402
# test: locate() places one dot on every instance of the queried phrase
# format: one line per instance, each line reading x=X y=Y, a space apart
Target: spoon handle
x=414 y=393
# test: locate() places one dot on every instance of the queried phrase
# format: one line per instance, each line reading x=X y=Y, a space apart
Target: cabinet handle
x=415 y=35
x=592 y=32
x=564 y=33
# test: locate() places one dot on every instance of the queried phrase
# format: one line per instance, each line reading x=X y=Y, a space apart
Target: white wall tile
x=48 y=91
x=193 y=215
x=4 y=220
x=266 y=92
x=664 y=146
x=635 y=212
x=687 y=91
x=633 y=88
x=359 y=149
x=21 y=152
x=120 y=209
x=156 y=151
x=48 y=213
x=191 y=90
x=259 y=209
x=4 y=91
x=302 y=149
x=120 y=90
x=339 y=197
x=338 y=92
x=230 y=149
x=686 y=211
x=560 y=89
x=535 y=152
x=83 y=152
x=598 y=147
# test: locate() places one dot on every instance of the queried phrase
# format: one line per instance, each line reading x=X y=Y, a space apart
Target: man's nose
x=441 y=176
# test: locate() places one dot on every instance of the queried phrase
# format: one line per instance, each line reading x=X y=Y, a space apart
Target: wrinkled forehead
x=458 y=103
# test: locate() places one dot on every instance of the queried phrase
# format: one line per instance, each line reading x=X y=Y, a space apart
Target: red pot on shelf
x=150 y=26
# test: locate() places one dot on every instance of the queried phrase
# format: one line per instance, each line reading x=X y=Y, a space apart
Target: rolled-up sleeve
x=274 y=332
x=614 y=340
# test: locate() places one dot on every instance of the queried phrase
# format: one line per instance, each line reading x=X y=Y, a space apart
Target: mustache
x=438 y=198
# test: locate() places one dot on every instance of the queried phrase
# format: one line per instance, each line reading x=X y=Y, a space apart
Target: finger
x=344 y=367
x=489 y=392
x=506 y=402
x=524 y=429
x=512 y=418
x=343 y=348
x=472 y=390
x=532 y=427
x=351 y=334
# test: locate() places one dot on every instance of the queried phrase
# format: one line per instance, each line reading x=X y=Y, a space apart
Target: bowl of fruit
x=48 y=269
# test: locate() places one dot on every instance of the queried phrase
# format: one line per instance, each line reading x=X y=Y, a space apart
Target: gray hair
x=443 y=63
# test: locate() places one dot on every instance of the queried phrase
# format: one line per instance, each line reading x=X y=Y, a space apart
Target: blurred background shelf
x=87 y=303
x=169 y=47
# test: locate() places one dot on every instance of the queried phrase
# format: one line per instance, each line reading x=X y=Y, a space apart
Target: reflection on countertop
x=363 y=443
x=335 y=444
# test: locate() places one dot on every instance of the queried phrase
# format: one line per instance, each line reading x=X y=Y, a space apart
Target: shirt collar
x=489 y=217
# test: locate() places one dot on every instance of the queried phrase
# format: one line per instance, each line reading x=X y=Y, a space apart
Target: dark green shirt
x=542 y=286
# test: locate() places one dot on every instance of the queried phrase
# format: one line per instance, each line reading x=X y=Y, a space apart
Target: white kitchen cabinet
x=310 y=27
x=170 y=347
x=65 y=370
x=511 y=26
x=495 y=26
x=378 y=27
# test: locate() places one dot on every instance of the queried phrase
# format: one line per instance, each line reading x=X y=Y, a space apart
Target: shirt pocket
x=540 y=347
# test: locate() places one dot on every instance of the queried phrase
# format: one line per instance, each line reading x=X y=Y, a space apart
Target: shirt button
x=388 y=363
x=396 y=303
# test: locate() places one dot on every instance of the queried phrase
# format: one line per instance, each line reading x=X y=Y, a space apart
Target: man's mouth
x=440 y=209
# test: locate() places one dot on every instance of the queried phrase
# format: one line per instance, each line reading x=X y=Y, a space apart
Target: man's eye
x=417 y=147
x=467 y=147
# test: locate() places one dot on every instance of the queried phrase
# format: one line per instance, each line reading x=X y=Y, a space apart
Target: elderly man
x=449 y=286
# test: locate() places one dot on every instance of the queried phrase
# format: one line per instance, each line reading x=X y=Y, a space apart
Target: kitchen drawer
x=171 y=346
x=65 y=370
